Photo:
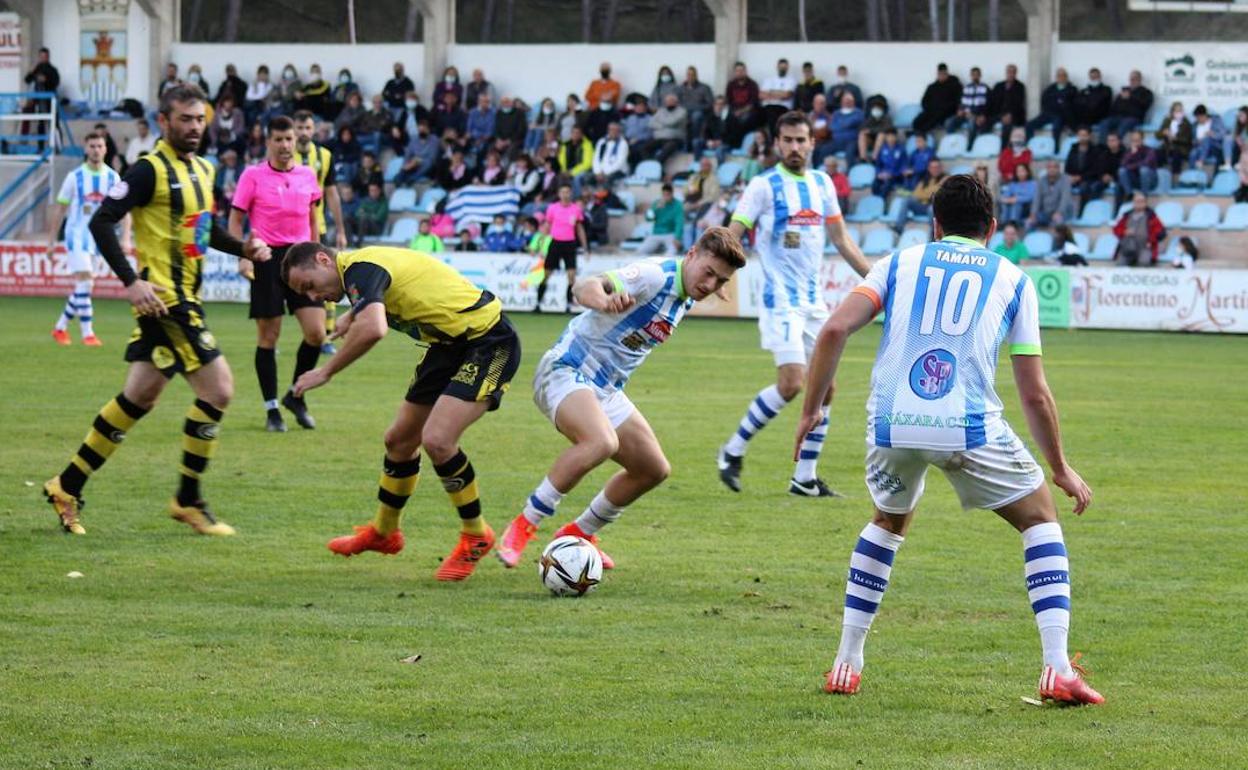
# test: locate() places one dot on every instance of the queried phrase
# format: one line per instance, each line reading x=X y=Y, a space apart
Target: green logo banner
x=1053 y=291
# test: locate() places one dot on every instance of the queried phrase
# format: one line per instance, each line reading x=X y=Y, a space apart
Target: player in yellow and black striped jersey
x=472 y=354
x=168 y=194
x=321 y=160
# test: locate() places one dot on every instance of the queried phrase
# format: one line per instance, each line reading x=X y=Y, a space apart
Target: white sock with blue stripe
x=82 y=300
x=542 y=503
x=763 y=409
x=69 y=313
x=869 y=568
x=808 y=455
x=599 y=514
x=1048 y=587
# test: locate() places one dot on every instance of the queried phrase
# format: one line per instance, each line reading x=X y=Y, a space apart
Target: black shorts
x=474 y=370
x=270 y=298
x=175 y=343
x=561 y=252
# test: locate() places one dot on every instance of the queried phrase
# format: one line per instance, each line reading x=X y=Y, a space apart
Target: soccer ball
x=570 y=566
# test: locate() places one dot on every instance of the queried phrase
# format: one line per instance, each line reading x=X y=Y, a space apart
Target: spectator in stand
x=481 y=127
x=171 y=77
x=636 y=128
x=1093 y=103
x=835 y=169
x=349 y=203
x=610 y=159
x=603 y=88
x=441 y=224
x=669 y=127
x=841 y=85
x=821 y=121
x=713 y=134
x=1237 y=137
x=1241 y=168
x=549 y=147
x=1176 y=138
x=347 y=155
x=808 y=88
x=257 y=146
x=846 y=123
x=548 y=188
x=1082 y=166
x=664 y=84
x=467 y=240
x=409 y=118
x=498 y=238
x=374 y=124
x=478 y=86
x=342 y=91
x=1066 y=249
x=1207 y=136
x=314 y=96
x=760 y=159
x=698 y=100
x=984 y=177
x=452 y=173
x=597 y=217
x=1057 y=107
x=492 y=172
x=777 y=94
x=425 y=239
x=233 y=86
x=917 y=162
x=576 y=156
x=596 y=121
x=1015 y=153
x=225 y=181
x=572 y=116
x=1007 y=103
x=228 y=131
x=1109 y=157
x=449 y=84
x=668 y=216
x=920 y=202
x=525 y=178
x=257 y=98
x=742 y=95
x=352 y=113
x=1018 y=194
x=543 y=119
x=1186 y=255
x=510 y=126
x=370 y=215
x=195 y=76
x=367 y=174
x=143 y=141
x=1129 y=109
x=1055 y=200
x=1138 y=168
x=874 y=124
x=973 y=109
x=1011 y=246
x=395 y=90
x=449 y=115
x=1140 y=233
x=288 y=89
x=890 y=164
x=420 y=157
x=940 y=100
x=703 y=184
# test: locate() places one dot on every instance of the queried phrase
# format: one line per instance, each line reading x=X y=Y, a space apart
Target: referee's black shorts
x=270 y=298
x=561 y=252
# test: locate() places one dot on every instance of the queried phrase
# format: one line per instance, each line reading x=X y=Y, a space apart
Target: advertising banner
x=27 y=270
x=1053 y=293
x=1213 y=74
x=1177 y=300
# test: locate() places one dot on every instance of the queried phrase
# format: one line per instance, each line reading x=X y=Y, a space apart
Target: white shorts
x=80 y=261
x=991 y=476
x=790 y=333
x=552 y=384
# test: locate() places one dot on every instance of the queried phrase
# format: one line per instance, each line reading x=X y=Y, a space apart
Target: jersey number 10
x=955 y=316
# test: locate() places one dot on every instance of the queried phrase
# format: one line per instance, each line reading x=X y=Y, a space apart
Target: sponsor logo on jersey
x=805 y=218
x=659 y=329
x=162 y=357
x=467 y=373
x=931 y=377
x=199 y=228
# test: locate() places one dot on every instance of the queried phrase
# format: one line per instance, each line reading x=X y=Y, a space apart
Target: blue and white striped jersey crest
x=948 y=307
x=791 y=213
x=607 y=347
x=82 y=192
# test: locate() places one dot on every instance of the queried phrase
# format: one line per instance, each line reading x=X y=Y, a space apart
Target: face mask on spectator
x=877 y=112
x=410 y=104
x=1094 y=83
x=665 y=78
x=315 y=76
x=505 y=110
x=1178 y=114
x=847 y=110
x=671 y=107
x=548 y=110
x=605 y=72
x=1019 y=143
x=195 y=77
x=841 y=79
x=449 y=79
x=344 y=79
x=604 y=106
x=289 y=74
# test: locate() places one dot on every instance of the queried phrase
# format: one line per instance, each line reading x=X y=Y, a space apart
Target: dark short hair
x=183 y=93
x=279 y=123
x=963 y=206
x=303 y=254
x=93 y=135
x=143 y=122
x=721 y=243
x=794 y=118
x=782 y=60
x=942 y=67
x=1200 y=110
x=302 y=115
x=667 y=187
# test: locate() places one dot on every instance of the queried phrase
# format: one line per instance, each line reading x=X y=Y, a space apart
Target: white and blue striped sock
x=763 y=409
x=599 y=514
x=869 y=568
x=1048 y=588
x=808 y=455
x=67 y=314
x=542 y=503
x=82 y=299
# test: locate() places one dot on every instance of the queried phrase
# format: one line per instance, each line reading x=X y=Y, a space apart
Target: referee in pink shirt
x=279 y=198
x=567 y=227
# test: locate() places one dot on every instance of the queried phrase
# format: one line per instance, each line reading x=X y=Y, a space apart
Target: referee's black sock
x=569 y=295
x=305 y=359
x=266 y=373
x=541 y=292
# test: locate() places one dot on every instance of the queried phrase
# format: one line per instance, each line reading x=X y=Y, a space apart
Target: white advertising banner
x=1173 y=300
x=10 y=60
x=1212 y=74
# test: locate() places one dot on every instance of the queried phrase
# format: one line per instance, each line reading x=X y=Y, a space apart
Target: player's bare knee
x=789 y=388
x=314 y=337
x=439 y=443
x=659 y=470
x=602 y=447
x=400 y=445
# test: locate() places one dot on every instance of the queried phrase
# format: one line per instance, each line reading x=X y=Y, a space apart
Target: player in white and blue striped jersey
x=794 y=211
x=949 y=306
x=579 y=383
x=82 y=192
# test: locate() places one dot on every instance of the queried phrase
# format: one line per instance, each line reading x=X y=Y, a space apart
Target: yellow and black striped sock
x=199 y=441
x=398 y=481
x=460 y=482
x=107 y=432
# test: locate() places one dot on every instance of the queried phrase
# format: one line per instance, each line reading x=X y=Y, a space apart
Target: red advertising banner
x=27 y=270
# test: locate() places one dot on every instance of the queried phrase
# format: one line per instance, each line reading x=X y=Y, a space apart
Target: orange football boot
x=842 y=680
x=463 y=560
x=571 y=529
x=516 y=538
x=367 y=538
x=1069 y=688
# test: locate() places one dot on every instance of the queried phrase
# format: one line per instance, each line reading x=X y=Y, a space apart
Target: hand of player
x=256 y=250
x=618 y=302
x=247 y=269
x=806 y=422
x=342 y=325
x=309 y=380
x=142 y=296
x=1074 y=486
x=340 y=239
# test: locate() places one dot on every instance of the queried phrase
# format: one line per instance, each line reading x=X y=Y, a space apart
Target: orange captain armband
x=869 y=293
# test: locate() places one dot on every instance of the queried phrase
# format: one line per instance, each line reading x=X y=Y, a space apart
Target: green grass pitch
x=705 y=648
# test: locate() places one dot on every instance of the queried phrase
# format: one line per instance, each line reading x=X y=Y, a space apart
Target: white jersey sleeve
x=642 y=280
x=68 y=188
x=1024 y=334
x=754 y=202
x=875 y=286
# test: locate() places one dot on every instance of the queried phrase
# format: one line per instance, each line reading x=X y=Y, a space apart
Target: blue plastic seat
x=402 y=231
x=906 y=114
x=403 y=199
x=1095 y=214
x=1041 y=147
x=1203 y=216
x=986 y=146
x=879 y=241
x=1106 y=247
x=861 y=175
x=868 y=209
x=1236 y=217
x=1039 y=243
x=1170 y=213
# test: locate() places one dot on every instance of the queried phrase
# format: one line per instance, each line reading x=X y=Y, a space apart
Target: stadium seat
x=1228 y=118
x=1124 y=208
x=952 y=146
x=1067 y=143
x=393 y=167
x=429 y=201
x=403 y=199
x=996 y=240
x=1164 y=182
x=640 y=231
x=1225 y=183
x=1170 y=213
x=861 y=175
x=1041 y=147
x=912 y=237
x=1095 y=214
x=878 y=242
x=402 y=231
x=1202 y=216
x=747 y=144
x=962 y=168
x=906 y=114
x=1190 y=182
x=628 y=199
x=1081 y=240
x=728 y=173
x=1151 y=140
x=1236 y=217
x=1106 y=246
x=646 y=172
x=1172 y=249
x=1039 y=243
x=986 y=146
x=868 y=209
